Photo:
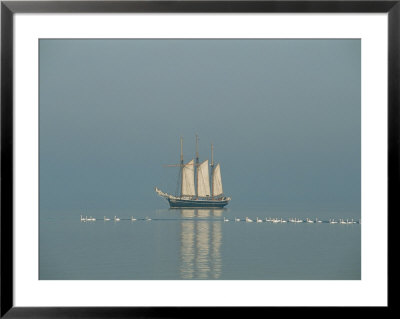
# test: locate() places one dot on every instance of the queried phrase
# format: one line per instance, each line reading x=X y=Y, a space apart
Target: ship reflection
x=201 y=242
x=200 y=212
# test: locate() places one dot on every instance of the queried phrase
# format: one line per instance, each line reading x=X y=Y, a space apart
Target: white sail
x=188 y=179
x=203 y=180
x=217 y=181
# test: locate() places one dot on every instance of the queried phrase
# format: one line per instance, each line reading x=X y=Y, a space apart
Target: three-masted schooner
x=195 y=184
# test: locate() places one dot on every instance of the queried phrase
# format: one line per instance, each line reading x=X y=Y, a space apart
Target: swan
x=116 y=219
x=106 y=219
x=133 y=219
x=310 y=221
x=248 y=220
x=283 y=221
x=148 y=219
x=237 y=219
x=259 y=220
x=226 y=219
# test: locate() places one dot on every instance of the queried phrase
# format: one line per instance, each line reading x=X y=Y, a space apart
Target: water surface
x=197 y=244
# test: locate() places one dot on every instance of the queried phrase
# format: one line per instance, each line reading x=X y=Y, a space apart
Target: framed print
x=164 y=155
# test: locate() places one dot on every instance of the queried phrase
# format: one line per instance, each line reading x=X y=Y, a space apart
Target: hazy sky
x=284 y=117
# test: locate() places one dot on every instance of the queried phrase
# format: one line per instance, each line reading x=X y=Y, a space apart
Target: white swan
x=133 y=219
x=116 y=219
x=226 y=219
x=106 y=219
x=309 y=221
x=237 y=219
x=259 y=220
x=148 y=219
x=248 y=220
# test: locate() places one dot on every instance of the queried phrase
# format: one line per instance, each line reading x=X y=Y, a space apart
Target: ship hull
x=199 y=203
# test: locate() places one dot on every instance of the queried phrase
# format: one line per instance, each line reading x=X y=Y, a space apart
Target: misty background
x=284 y=117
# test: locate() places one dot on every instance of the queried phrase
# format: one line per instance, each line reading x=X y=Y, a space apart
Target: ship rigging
x=195 y=189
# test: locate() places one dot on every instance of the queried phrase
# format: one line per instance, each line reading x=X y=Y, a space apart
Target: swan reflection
x=201 y=242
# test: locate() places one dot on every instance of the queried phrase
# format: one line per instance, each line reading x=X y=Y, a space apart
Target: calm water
x=196 y=244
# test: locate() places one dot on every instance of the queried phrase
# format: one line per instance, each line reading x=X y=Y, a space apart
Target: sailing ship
x=194 y=180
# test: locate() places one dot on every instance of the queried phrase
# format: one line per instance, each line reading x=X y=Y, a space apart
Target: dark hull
x=199 y=203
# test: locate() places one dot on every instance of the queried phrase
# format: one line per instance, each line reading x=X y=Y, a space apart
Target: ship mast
x=197 y=167
x=181 y=151
x=212 y=171
x=197 y=150
x=181 y=166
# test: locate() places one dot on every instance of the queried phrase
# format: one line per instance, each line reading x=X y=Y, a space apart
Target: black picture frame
x=9 y=8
